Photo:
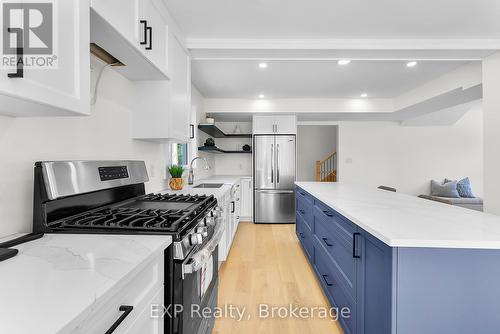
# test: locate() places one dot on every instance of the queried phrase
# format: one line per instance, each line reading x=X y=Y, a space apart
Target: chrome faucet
x=191 y=171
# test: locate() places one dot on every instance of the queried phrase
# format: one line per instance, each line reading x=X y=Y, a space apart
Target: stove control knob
x=210 y=221
x=203 y=231
x=196 y=239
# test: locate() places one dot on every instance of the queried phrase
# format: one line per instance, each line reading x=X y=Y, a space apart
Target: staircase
x=326 y=170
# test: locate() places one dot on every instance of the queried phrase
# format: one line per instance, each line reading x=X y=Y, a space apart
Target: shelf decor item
x=210 y=142
x=247 y=148
x=176 y=182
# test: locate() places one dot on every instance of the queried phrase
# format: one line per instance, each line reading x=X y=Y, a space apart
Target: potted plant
x=176 y=182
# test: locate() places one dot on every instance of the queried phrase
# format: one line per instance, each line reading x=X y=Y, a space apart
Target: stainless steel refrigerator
x=274 y=177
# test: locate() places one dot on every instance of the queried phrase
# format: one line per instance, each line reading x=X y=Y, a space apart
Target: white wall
x=198 y=105
x=491 y=105
x=233 y=164
x=103 y=135
x=407 y=158
x=314 y=142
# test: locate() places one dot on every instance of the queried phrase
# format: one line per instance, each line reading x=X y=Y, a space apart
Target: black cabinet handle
x=150 y=32
x=191 y=127
x=126 y=311
x=232 y=207
x=354 y=246
x=325 y=240
x=325 y=278
x=301 y=235
x=302 y=211
x=19 y=53
x=328 y=213
x=145 y=40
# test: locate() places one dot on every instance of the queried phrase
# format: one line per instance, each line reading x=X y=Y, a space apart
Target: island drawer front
x=305 y=237
x=341 y=255
x=136 y=293
x=335 y=223
x=335 y=291
x=305 y=207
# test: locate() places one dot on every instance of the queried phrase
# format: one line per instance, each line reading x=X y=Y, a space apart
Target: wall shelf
x=215 y=132
x=214 y=149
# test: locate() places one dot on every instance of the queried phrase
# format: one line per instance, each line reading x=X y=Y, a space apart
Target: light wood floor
x=266 y=265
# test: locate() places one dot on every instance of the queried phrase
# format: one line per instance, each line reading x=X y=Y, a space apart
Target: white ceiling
x=460 y=19
x=313 y=79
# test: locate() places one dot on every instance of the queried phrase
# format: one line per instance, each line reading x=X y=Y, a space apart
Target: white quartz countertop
x=228 y=181
x=57 y=280
x=408 y=221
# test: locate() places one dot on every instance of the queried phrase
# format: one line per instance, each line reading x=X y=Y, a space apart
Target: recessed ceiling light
x=364 y=95
x=261 y=96
x=263 y=65
x=343 y=61
x=411 y=64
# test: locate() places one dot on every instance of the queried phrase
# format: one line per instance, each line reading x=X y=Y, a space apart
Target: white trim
x=344 y=44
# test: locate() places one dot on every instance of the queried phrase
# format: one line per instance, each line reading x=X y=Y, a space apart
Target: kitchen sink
x=209 y=185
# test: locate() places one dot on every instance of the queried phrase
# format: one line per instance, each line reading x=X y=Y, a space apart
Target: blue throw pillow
x=448 y=189
x=464 y=188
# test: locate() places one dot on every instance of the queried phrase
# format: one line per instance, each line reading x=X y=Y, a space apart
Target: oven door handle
x=195 y=262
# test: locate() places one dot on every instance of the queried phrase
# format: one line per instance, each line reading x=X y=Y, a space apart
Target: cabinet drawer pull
x=328 y=213
x=149 y=30
x=126 y=311
x=301 y=235
x=354 y=245
x=145 y=40
x=325 y=278
x=302 y=211
x=19 y=53
x=191 y=129
x=325 y=240
x=233 y=207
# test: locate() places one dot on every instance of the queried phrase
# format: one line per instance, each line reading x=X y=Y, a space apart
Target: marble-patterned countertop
x=408 y=221
x=228 y=181
x=57 y=279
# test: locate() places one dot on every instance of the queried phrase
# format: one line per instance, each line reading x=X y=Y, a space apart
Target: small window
x=179 y=154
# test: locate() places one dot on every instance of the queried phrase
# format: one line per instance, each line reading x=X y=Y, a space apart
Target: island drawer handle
x=126 y=311
x=326 y=242
x=325 y=278
x=354 y=246
x=302 y=211
x=328 y=213
x=301 y=235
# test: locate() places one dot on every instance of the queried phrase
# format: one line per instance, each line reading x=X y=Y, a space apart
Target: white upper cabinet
x=274 y=124
x=162 y=108
x=181 y=90
x=60 y=86
x=135 y=32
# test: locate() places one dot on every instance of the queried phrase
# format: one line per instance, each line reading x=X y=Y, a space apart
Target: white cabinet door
x=155 y=34
x=246 y=199
x=263 y=124
x=58 y=90
x=123 y=15
x=180 y=105
x=286 y=124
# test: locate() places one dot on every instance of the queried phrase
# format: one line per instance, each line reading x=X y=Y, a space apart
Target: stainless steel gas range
x=109 y=197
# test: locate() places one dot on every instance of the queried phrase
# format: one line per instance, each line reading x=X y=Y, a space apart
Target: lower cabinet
x=353 y=267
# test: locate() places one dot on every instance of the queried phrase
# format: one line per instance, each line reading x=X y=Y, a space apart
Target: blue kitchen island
x=401 y=264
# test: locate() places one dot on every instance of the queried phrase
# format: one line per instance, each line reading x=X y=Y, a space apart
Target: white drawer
x=137 y=293
x=144 y=324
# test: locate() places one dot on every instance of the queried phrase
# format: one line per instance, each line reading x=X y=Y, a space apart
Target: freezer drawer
x=274 y=206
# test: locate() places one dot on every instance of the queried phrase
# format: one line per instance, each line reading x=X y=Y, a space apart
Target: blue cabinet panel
x=305 y=208
x=335 y=222
x=305 y=236
x=335 y=291
x=340 y=253
x=374 y=285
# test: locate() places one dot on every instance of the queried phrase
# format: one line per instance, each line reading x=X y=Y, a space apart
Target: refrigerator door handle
x=275 y=191
x=272 y=163
x=277 y=163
